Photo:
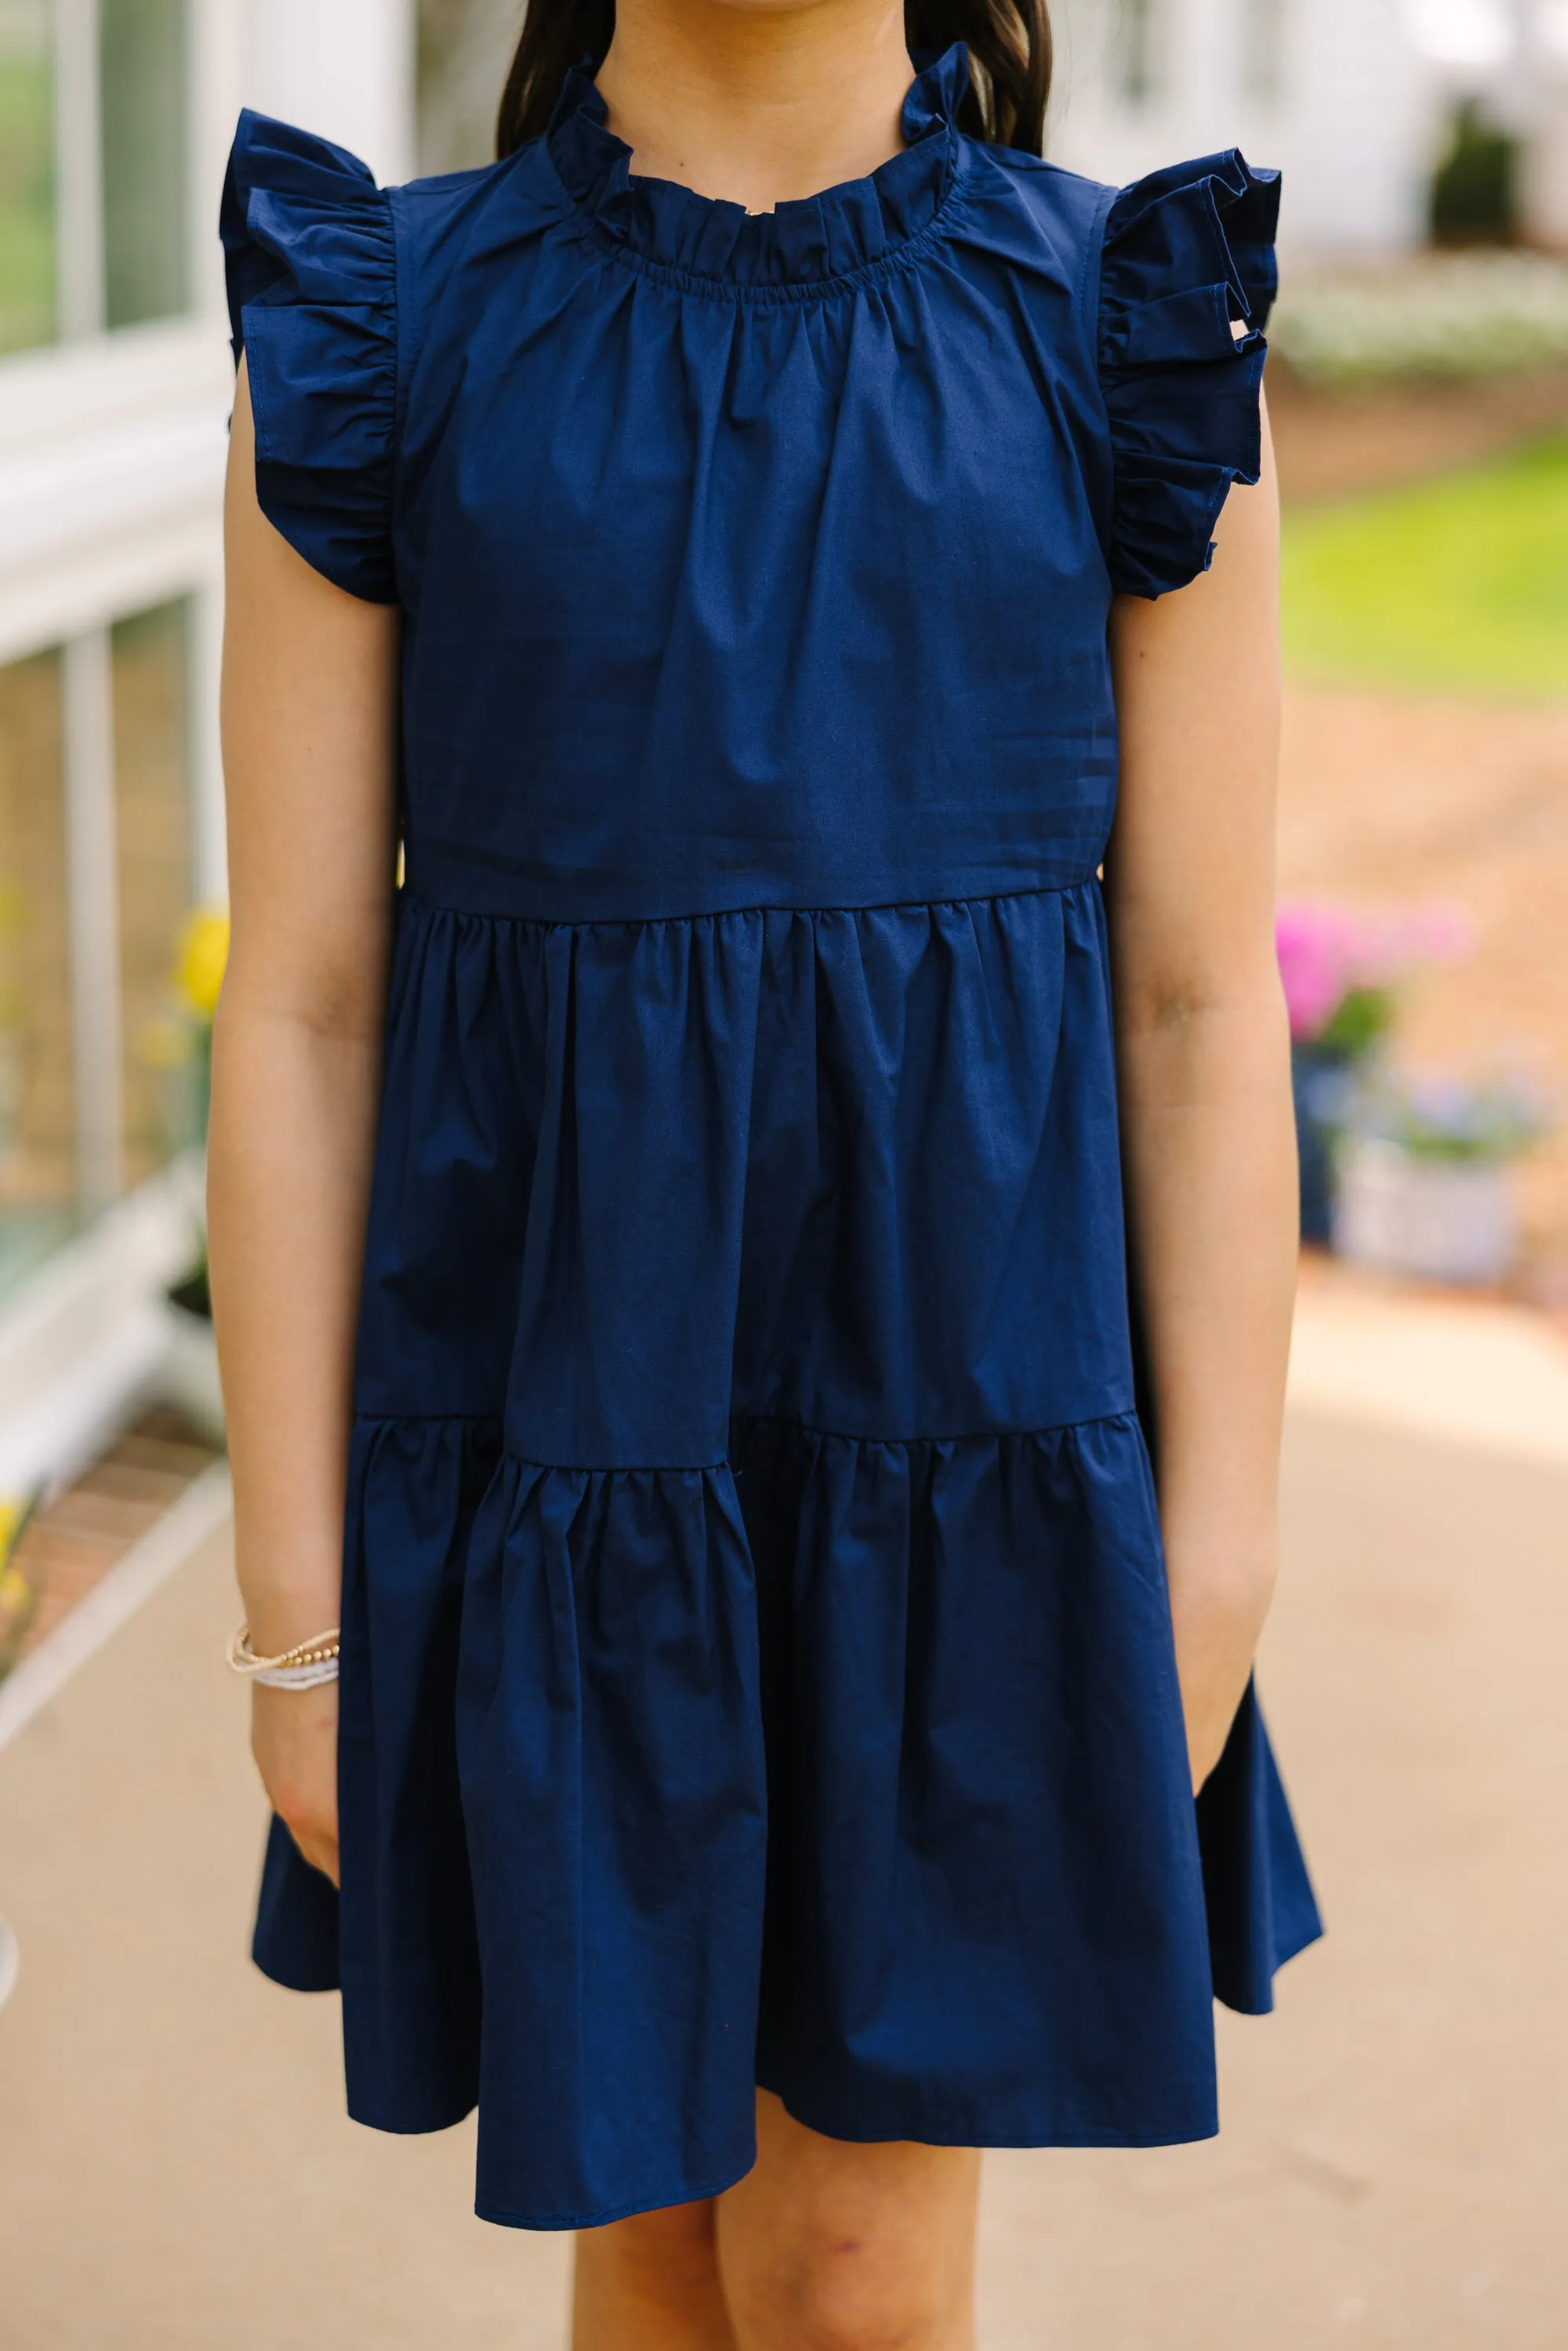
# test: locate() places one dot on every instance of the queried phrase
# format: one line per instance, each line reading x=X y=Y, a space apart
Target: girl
x=745 y=547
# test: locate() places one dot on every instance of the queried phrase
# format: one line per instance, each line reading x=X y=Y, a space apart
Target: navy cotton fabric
x=757 y=1658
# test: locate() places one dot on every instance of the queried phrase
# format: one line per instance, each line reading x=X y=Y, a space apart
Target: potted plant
x=190 y=1369
x=1342 y=968
x=1422 y=1185
x=19 y=1590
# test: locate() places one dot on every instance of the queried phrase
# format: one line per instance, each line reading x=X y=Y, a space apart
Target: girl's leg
x=650 y=2284
x=827 y=2246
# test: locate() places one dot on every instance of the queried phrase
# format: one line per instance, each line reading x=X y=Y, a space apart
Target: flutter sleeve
x=312 y=289
x=1188 y=253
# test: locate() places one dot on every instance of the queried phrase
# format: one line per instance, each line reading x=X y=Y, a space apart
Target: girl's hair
x=1010 y=63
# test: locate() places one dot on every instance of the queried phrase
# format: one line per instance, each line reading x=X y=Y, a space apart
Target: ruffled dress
x=757 y=1655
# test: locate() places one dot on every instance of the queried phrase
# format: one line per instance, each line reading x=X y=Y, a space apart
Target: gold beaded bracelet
x=304 y=1666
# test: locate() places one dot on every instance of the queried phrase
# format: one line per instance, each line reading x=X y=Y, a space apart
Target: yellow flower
x=10 y=1517
x=166 y=1044
x=204 y=951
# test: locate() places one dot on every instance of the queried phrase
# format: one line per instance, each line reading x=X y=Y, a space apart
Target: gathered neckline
x=807 y=240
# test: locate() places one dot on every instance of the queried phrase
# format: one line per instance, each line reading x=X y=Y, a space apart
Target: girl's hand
x=1221 y=1588
x=294 y=1738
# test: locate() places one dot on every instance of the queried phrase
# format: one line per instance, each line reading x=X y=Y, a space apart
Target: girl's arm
x=1203 y=1052
x=308 y=718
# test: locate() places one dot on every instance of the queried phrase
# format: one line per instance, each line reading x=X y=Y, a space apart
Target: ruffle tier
x=799 y=243
x=1188 y=257
x=852 y=1768
x=633 y=1178
x=312 y=291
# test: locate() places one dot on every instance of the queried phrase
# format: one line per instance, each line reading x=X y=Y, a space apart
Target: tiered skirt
x=757 y=1656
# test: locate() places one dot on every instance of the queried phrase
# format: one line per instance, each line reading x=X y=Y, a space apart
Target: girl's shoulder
x=1171 y=279
x=331 y=282
x=1210 y=220
x=300 y=211
x=440 y=218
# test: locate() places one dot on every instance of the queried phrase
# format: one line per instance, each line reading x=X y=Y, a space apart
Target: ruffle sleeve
x=311 y=267
x=1187 y=253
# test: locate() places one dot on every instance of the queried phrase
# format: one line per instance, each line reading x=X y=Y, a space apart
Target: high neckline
x=809 y=239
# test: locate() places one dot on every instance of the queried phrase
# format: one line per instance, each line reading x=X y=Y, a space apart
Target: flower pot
x=1444 y=1220
x=1317 y=1084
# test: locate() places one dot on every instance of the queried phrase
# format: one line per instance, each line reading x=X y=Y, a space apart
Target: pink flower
x=1326 y=950
x=1314 y=942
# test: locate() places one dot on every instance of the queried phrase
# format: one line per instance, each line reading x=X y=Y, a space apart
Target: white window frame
x=112 y=448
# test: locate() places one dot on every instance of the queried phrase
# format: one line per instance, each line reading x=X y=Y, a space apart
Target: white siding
x=1331 y=93
x=111 y=458
x=343 y=67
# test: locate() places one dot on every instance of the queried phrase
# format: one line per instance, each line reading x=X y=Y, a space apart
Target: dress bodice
x=750 y=560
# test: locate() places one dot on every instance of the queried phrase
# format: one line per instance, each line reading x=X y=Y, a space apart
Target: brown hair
x=1010 y=63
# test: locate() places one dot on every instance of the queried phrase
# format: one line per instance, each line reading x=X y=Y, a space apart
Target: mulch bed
x=1332 y=444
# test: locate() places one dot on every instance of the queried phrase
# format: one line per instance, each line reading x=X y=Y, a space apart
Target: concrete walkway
x=175 y=2174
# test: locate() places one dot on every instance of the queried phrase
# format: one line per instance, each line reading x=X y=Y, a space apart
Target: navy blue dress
x=757 y=1656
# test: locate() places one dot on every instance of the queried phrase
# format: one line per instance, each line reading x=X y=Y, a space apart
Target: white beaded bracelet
x=304 y=1666
x=297 y=1677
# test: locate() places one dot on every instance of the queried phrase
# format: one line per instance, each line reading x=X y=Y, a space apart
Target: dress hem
x=803 y=2110
x=1174 y=2134
x=446 y=2119
x=1183 y=2135
x=500 y=2217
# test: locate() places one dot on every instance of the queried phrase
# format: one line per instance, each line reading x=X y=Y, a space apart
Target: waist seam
x=410 y=894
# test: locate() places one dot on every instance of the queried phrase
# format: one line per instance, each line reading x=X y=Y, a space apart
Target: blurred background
x=1397 y=2138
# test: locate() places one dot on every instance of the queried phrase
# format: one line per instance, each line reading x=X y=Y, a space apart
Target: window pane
x=26 y=175
x=1263 y=47
x=464 y=50
x=37 y=1113
x=1140 y=64
x=153 y=835
x=143 y=84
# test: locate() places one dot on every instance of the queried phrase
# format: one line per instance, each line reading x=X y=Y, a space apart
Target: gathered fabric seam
x=750 y=1420
x=1090 y=297
x=784 y=293
x=958 y=1437
x=405 y=326
x=411 y=895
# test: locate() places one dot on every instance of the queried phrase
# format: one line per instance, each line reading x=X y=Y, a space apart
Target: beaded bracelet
x=302 y=1667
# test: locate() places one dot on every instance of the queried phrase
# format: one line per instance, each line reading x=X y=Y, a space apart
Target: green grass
x=27 y=203
x=1460 y=583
